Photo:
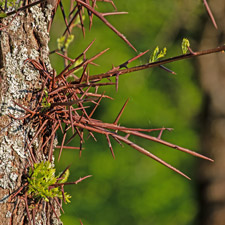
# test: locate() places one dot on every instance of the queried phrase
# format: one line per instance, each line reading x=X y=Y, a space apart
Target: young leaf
x=162 y=53
x=77 y=21
x=69 y=40
x=3 y=15
x=157 y=54
x=63 y=42
x=185 y=45
x=64 y=177
x=9 y=4
x=41 y=177
x=60 y=42
x=45 y=104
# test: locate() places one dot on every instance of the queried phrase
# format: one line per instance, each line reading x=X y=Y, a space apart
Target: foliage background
x=134 y=189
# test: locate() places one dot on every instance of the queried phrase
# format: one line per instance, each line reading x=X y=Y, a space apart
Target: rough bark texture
x=212 y=77
x=25 y=37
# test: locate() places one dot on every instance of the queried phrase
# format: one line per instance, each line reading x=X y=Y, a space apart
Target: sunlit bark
x=22 y=36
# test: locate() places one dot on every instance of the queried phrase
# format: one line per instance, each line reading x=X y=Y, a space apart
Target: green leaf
x=185 y=45
x=63 y=42
x=77 y=20
x=65 y=176
x=3 y=15
x=157 y=54
x=67 y=197
x=41 y=177
x=60 y=42
x=69 y=40
x=45 y=104
x=10 y=4
x=162 y=53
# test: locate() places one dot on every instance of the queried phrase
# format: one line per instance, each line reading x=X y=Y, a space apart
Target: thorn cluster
x=62 y=100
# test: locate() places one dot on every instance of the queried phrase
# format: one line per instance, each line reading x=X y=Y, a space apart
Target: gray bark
x=212 y=78
x=26 y=37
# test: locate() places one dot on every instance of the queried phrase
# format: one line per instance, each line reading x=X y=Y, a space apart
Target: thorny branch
x=66 y=105
x=154 y=64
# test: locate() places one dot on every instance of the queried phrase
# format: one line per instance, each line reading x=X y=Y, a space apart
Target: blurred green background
x=133 y=189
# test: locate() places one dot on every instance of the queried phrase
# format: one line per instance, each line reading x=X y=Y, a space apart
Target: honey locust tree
x=36 y=102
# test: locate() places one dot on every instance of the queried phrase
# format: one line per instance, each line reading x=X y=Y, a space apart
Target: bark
x=212 y=71
x=25 y=37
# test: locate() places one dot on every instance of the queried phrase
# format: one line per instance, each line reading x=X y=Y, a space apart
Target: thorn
x=167 y=70
x=120 y=113
x=210 y=13
x=160 y=133
x=110 y=145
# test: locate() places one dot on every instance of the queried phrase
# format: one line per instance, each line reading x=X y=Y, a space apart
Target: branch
x=154 y=64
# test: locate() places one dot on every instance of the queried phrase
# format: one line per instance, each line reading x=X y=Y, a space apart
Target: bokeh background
x=134 y=189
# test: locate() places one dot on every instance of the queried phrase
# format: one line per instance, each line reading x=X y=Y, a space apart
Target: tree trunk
x=26 y=37
x=212 y=71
